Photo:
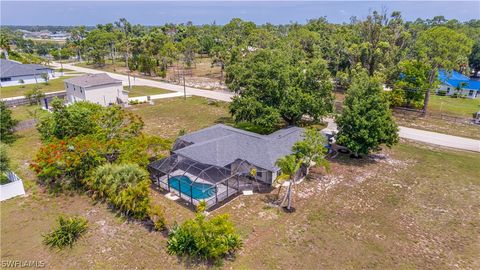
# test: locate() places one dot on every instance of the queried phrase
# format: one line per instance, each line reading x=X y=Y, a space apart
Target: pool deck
x=221 y=189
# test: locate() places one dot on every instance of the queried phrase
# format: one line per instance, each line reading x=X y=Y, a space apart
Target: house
x=60 y=36
x=218 y=162
x=43 y=34
x=96 y=88
x=15 y=73
x=456 y=83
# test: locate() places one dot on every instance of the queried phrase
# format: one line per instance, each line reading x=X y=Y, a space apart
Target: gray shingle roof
x=93 y=80
x=221 y=145
x=14 y=69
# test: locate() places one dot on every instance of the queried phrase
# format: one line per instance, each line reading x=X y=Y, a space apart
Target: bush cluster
x=102 y=150
x=204 y=239
x=61 y=164
x=125 y=186
x=68 y=230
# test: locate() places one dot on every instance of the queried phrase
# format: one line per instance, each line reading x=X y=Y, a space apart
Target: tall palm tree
x=289 y=166
x=5 y=45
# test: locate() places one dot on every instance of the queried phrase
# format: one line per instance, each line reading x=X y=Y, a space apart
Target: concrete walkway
x=407 y=133
x=159 y=96
x=23 y=97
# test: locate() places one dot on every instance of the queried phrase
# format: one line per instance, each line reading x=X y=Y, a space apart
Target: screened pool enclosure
x=195 y=182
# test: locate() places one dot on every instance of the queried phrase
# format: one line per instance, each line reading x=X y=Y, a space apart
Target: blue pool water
x=199 y=191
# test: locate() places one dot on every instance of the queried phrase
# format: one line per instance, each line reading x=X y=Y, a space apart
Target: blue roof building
x=453 y=82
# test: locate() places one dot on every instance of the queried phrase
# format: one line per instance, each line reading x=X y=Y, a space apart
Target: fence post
x=180 y=188
x=216 y=194
x=168 y=182
x=191 y=194
x=238 y=184
x=227 y=188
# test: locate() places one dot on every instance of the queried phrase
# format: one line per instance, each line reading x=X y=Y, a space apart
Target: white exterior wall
x=103 y=95
x=74 y=93
x=106 y=95
x=29 y=79
x=465 y=91
x=266 y=176
x=11 y=190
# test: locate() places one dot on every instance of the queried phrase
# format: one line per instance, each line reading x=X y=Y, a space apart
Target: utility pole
x=61 y=63
x=184 y=87
x=128 y=74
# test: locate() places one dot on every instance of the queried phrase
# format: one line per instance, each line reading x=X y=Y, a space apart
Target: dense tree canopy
x=273 y=87
x=366 y=122
x=441 y=47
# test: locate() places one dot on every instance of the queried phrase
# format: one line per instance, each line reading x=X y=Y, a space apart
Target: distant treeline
x=37 y=28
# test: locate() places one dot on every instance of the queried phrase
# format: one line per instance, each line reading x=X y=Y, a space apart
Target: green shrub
x=4 y=159
x=157 y=216
x=3 y=178
x=69 y=229
x=136 y=102
x=64 y=164
x=7 y=123
x=202 y=207
x=34 y=95
x=125 y=186
x=441 y=93
x=204 y=239
x=45 y=77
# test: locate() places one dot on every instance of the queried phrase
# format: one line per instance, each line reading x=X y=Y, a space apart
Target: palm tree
x=5 y=45
x=289 y=166
x=459 y=88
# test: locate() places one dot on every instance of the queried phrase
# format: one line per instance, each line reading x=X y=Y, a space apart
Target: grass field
x=168 y=116
x=410 y=207
x=140 y=90
x=463 y=107
x=19 y=90
x=21 y=113
x=200 y=75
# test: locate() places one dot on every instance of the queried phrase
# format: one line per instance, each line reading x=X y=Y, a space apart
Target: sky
x=206 y=12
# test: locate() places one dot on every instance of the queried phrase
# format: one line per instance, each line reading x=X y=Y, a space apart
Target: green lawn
x=25 y=112
x=410 y=207
x=463 y=107
x=19 y=90
x=168 y=116
x=140 y=90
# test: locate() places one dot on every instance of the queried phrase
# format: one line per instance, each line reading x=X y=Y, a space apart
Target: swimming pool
x=198 y=191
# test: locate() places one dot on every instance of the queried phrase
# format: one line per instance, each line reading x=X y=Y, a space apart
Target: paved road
x=440 y=139
x=407 y=133
x=218 y=95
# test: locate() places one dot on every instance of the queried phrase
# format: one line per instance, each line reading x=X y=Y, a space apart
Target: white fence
x=13 y=188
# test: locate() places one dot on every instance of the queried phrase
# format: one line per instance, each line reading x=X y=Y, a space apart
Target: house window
x=259 y=174
x=81 y=90
x=470 y=93
x=6 y=79
x=448 y=89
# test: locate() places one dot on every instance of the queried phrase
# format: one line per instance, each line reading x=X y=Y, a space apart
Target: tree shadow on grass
x=190 y=262
x=347 y=159
x=227 y=120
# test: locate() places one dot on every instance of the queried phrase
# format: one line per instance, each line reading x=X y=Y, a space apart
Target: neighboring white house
x=14 y=73
x=96 y=88
x=456 y=83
